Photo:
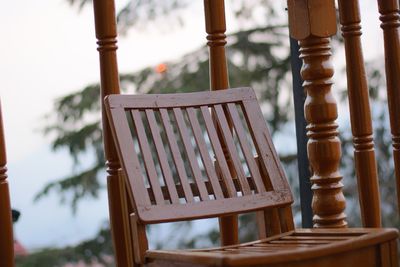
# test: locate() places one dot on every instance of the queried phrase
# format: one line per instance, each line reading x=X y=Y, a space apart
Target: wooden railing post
x=6 y=228
x=106 y=34
x=360 y=114
x=313 y=22
x=389 y=10
x=219 y=80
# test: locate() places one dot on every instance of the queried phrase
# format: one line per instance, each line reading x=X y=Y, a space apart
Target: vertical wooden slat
x=106 y=34
x=360 y=114
x=205 y=155
x=389 y=10
x=6 y=228
x=176 y=155
x=255 y=173
x=219 y=154
x=191 y=154
x=131 y=161
x=147 y=157
x=263 y=145
x=228 y=140
x=162 y=156
x=313 y=29
x=214 y=11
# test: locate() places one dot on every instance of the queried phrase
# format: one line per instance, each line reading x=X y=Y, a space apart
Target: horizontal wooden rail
x=195 y=189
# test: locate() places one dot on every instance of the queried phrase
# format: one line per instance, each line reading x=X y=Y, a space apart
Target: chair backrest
x=6 y=229
x=164 y=143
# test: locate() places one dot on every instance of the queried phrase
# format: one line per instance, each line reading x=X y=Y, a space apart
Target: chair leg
x=140 y=243
x=119 y=220
x=268 y=223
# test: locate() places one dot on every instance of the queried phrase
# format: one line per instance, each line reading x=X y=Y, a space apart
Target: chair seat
x=302 y=247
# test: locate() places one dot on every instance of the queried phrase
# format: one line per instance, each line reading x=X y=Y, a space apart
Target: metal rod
x=299 y=97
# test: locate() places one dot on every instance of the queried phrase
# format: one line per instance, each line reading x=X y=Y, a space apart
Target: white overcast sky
x=47 y=50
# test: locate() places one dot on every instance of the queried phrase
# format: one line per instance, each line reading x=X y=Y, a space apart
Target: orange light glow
x=161 y=68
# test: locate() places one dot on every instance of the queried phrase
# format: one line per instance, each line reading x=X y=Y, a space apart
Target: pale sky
x=47 y=50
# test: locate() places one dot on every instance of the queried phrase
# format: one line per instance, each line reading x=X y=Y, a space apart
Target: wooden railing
x=389 y=10
x=119 y=208
x=324 y=150
x=360 y=114
x=312 y=23
x=6 y=229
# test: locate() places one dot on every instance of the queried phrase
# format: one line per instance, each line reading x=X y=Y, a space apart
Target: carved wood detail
x=360 y=114
x=323 y=146
x=214 y=11
x=6 y=228
x=313 y=23
x=389 y=10
x=106 y=34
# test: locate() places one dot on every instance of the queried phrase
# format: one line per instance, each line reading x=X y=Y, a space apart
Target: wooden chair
x=221 y=192
x=6 y=229
x=139 y=194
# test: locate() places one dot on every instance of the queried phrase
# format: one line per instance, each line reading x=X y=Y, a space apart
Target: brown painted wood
x=389 y=10
x=106 y=34
x=360 y=114
x=139 y=240
x=302 y=247
x=215 y=27
x=254 y=171
x=219 y=153
x=194 y=166
x=214 y=11
x=162 y=158
x=205 y=156
x=147 y=157
x=228 y=140
x=6 y=227
x=176 y=155
x=234 y=202
x=362 y=247
x=324 y=150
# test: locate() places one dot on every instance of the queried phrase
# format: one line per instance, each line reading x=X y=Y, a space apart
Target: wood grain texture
x=6 y=227
x=389 y=10
x=106 y=34
x=311 y=18
x=242 y=193
x=162 y=157
x=323 y=147
x=205 y=156
x=214 y=12
x=191 y=156
x=360 y=114
x=304 y=247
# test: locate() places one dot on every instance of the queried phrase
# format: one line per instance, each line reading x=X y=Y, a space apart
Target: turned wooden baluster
x=6 y=229
x=360 y=114
x=106 y=34
x=219 y=80
x=389 y=10
x=313 y=23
